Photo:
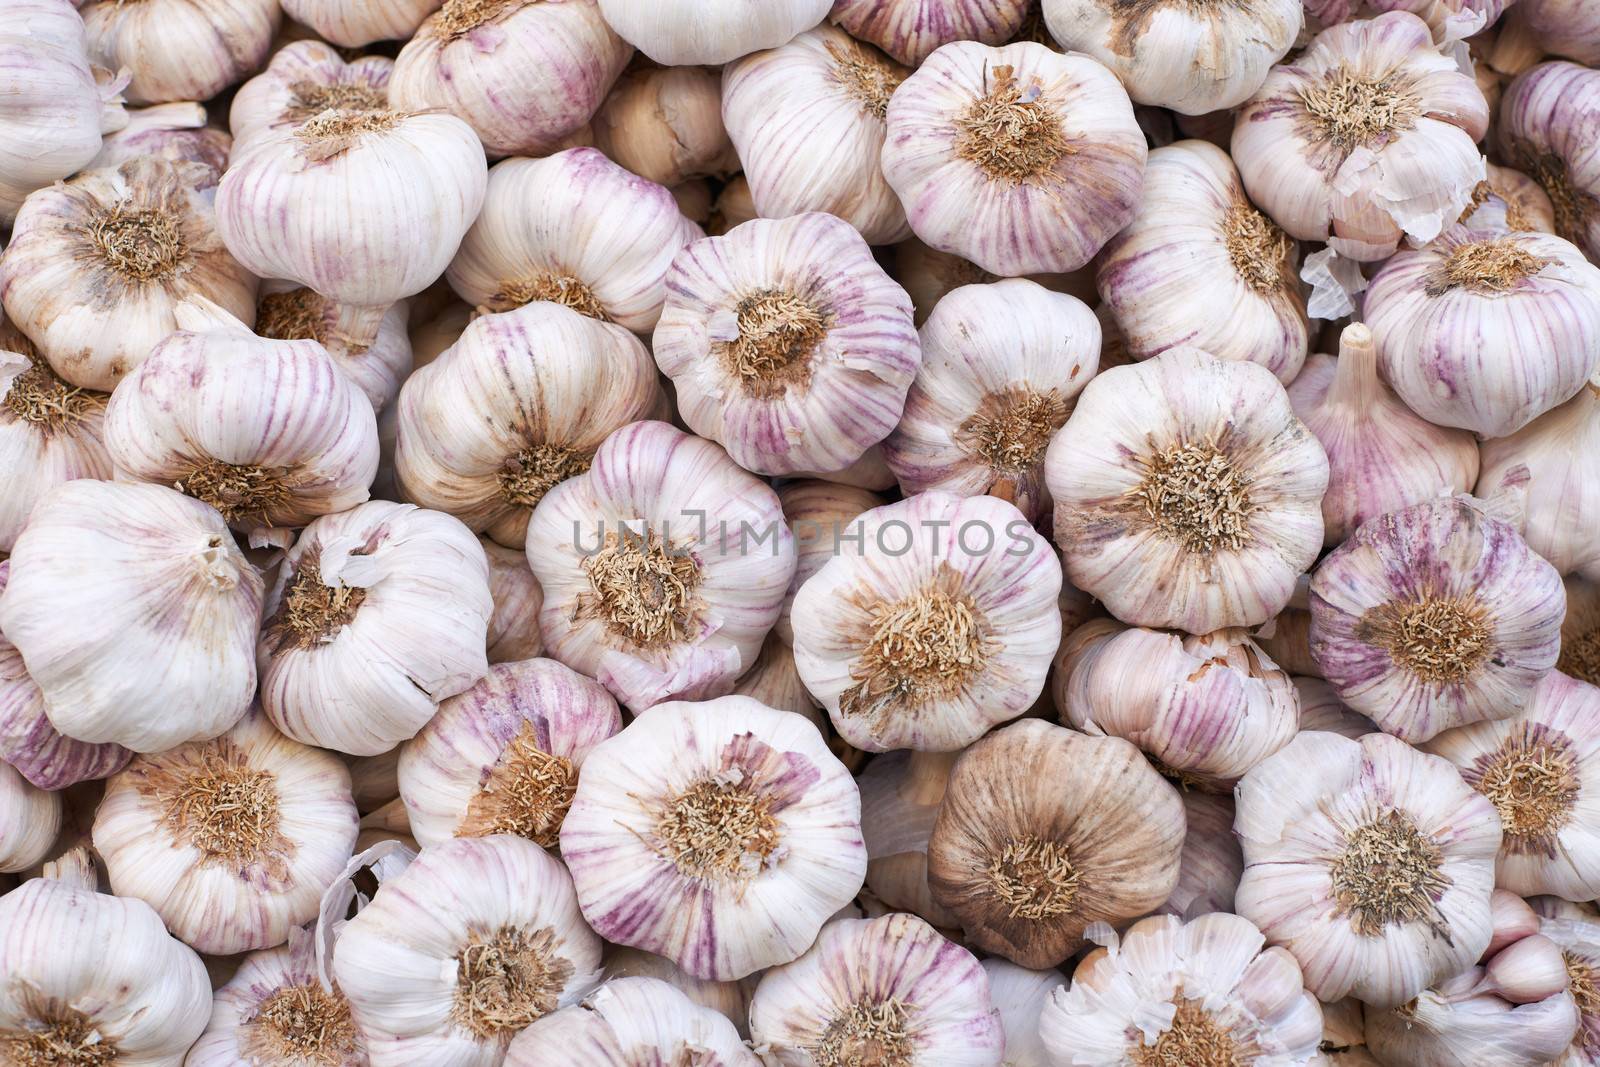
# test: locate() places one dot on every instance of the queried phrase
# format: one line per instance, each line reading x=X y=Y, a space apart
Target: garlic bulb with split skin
x=900 y=795
x=1578 y=937
x=1456 y=1024
x=514 y=627
x=665 y=124
x=175 y=132
x=910 y=30
x=177 y=49
x=98 y=265
x=303 y=80
x=787 y=344
x=1509 y=200
x=709 y=32
x=356 y=23
x=1211 y=864
x=1018 y=158
x=289 y=312
x=30 y=818
x=631 y=1021
x=1543 y=128
x=1580 y=632
x=819 y=514
x=1020 y=996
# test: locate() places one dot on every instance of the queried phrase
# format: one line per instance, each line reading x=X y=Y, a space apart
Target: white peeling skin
x=175 y=131
x=709 y=32
x=270 y=100
x=631 y=1022
x=1020 y=996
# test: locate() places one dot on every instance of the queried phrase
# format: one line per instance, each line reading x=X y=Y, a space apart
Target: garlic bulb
x=1435 y=616
x=30 y=818
x=1203 y=992
x=910 y=30
x=1286 y=638
x=787 y=344
x=939 y=625
x=721 y=835
x=1526 y=971
x=303 y=80
x=665 y=124
x=807 y=120
x=631 y=1021
x=1187 y=493
x=232 y=841
x=900 y=795
x=98 y=265
x=1579 y=941
x=1001 y=367
x=575 y=229
x=519 y=404
x=775 y=681
x=1564 y=28
x=135 y=614
x=1367 y=137
x=95 y=979
x=1371 y=862
x=1198 y=265
x=462 y=950
x=818 y=513
x=1193 y=60
x=887 y=991
x=1044 y=831
x=1511 y=201
x=514 y=626
x=1212 y=863
x=355 y=23
x=177 y=49
x=680 y=32
x=377 y=614
x=1020 y=996
x=1455 y=1025
x=524 y=74
x=1019 y=159
x=1542 y=129
x=176 y=132
x=287 y=312
x=663 y=566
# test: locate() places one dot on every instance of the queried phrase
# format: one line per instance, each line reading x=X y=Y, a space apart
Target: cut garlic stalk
x=303 y=80
x=179 y=50
x=631 y=1021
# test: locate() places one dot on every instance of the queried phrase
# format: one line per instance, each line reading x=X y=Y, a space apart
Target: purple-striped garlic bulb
x=179 y=50
x=1002 y=364
x=1381 y=456
x=1580 y=631
x=303 y=80
x=889 y=990
x=514 y=632
x=1367 y=137
x=1187 y=494
x=1566 y=28
x=462 y=950
x=938 y=624
x=1019 y=158
x=289 y=312
x=709 y=32
x=1545 y=128
x=135 y=613
x=721 y=835
x=377 y=614
x=1510 y=201
x=1211 y=863
x=663 y=566
x=1371 y=862
x=30 y=819
x=665 y=124
x=900 y=796
x=504 y=757
x=1019 y=995
x=355 y=23
x=1044 y=831
x=819 y=514
x=175 y=132
x=632 y=1021
x=1451 y=21
x=1435 y=616
x=910 y=30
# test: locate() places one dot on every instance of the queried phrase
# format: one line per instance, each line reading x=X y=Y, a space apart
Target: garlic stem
x=1355 y=379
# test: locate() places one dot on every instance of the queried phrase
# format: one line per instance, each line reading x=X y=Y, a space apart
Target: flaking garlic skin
x=177 y=132
x=911 y=30
x=1544 y=128
x=1509 y=201
x=632 y=1022
x=177 y=50
x=303 y=80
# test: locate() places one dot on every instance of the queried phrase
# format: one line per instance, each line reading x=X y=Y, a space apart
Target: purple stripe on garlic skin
x=1569 y=28
x=709 y=32
x=303 y=80
x=176 y=50
x=287 y=312
x=910 y=30
x=632 y=1022
x=1545 y=127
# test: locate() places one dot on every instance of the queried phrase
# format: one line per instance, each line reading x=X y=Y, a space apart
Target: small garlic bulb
x=1371 y=862
x=1199 y=265
x=178 y=49
x=1211 y=864
x=98 y=265
x=1509 y=200
x=514 y=627
x=288 y=312
x=910 y=30
x=1020 y=996
x=1002 y=364
x=787 y=344
x=807 y=120
x=665 y=124
x=1044 y=831
x=575 y=229
x=886 y=991
x=1434 y=617
x=524 y=74
x=1187 y=493
x=900 y=795
x=1369 y=136
x=1454 y=1025
x=303 y=80
x=135 y=613
x=94 y=979
x=232 y=841
x=175 y=132
x=355 y=23
x=377 y=614
x=30 y=819
x=819 y=514
x=50 y=433
x=1018 y=158
x=721 y=835
x=631 y=1021
x=940 y=624
x=663 y=566
x=474 y=941
x=710 y=32
x=1542 y=130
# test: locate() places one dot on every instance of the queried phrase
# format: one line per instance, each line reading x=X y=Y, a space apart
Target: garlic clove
x=1540 y=131
x=1321 y=709
x=303 y=80
x=355 y=23
x=1512 y=919
x=631 y=1020
x=1020 y=996
x=665 y=124
x=175 y=132
x=1449 y=1026
x=1578 y=937
x=711 y=32
x=1211 y=864
x=1527 y=971
x=175 y=50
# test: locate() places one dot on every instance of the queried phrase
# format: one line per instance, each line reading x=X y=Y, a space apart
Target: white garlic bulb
x=514 y=627
x=377 y=614
x=1211 y=864
x=1321 y=709
x=462 y=950
x=711 y=32
x=900 y=795
x=1541 y=129
x=303 y=80
x=1018 y=158
x=30 y=818
x=819 y=513
x=910 y=30
x=1020 y=996
x=787 y=344
x=98 y=265
x=176 y=132
x=631 y=1021
x=354 y=23
x=179 y=50
x=135 y=613
x=665 y=124
x=1455 y=1024
x=721 y=835
x=1564 y=28
x=288 y=312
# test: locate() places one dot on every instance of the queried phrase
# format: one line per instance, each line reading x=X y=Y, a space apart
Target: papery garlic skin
x=378 y=613
x=303 y=80
x=1020 y=996
x=98 y=265
x=176 y=132
x=354 y=23
x=628 y=1022
x=910 y=30
x=1212 y=863
x=709 y=32
x=1509 y=200
x=30 y=818
x=1321 y=709
x=665 y=124
x=514 y=627
x=50 y=433
x=1371 y=862
x=1543 y=129
x=1578 y=937
x=288 y=312
x=900 y=795
x=731 y=999
x=1018 y=158
x=178 y=50
x=819 y=513
x=135 y=614
x=775 y=681
x=1452 y=1024
x=787 y=344
x=1564 y=28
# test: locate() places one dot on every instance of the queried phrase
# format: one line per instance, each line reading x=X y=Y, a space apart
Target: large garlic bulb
x=303 y=80
x=178 y=49
x=819 y=514
x=354 y=23
x=665 y=124
x=631 y=1021
x=1543 y=130
x=289 y=312
x=682 y=32
x=30 y=819
x=910 y=30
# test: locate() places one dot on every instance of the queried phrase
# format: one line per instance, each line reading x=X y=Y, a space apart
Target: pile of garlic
x=800 y=533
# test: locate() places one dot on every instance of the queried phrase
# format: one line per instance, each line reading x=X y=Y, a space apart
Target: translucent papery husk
x=176 y=132
x=1020 y=996
x=787 y=344
x=514 y=627
x=303 y=80
x=354 y=23
x=911 y=30
x=1567 y=28
x=665 y=124
x=377 y=615
x=807 y=121
x=1002 y=365
x=98 y=265
x=818 y=513
x=474 y=941
x=1453 y=1026
x=135 y=615
x=1199 y=265
x=30 y=818
x=289 y=312
x=1435 y=616
x=1544 y=129
x=1019 y=158
x=95 y=978
x=1321 y=709
x=710 y=32
x=775 y=681
x=1367 y=137
x=1212 y=863
x=873 y=985
x=721 y=835
x=732 y=999
x=1371 y=862
x=1511 y=202
x=523 y=74
x=1450 y=20
x=1578 y=937
x=663 y=567
x=178 y=50
x=900 y=795
x=1193 y=469
x=632 y=1021
x=938 y=625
